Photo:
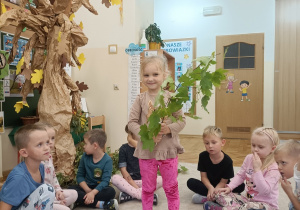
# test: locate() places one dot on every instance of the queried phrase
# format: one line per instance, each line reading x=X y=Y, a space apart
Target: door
x=239 y=101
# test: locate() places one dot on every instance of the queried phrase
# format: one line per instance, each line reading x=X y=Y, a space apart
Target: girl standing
x=63 y=198
x=154 y=70
x=261 y=174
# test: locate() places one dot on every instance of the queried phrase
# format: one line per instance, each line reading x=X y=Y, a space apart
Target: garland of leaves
x=203 y=80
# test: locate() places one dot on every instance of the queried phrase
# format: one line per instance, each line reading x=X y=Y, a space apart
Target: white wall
x=184 y=19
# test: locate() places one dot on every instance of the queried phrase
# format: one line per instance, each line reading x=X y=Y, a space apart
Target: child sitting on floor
x=63 y=198
x=215 y=167
x=24 y=188
x=261 y=174
x=130 y=184
x=287 y=156
x=94 y=173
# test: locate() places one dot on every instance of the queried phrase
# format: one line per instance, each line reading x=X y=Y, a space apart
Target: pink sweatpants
x=124 y=186
x=168 y=169
x=70 y=198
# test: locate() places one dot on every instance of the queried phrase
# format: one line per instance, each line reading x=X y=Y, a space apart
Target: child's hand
x=164 y=129
x=157 y=139
x=89 y=198
x=225 y=190
x=256 y=162
x=286 y=185
x=60 y=197
x=211 y=194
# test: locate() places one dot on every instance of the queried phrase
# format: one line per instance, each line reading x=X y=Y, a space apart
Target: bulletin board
x=184 y=51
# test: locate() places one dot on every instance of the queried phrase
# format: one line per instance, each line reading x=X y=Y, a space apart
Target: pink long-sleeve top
x=169 y=146
x=262 y=186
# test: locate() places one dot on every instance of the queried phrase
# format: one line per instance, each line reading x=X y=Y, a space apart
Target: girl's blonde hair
x=272 y=135
x=160 y=62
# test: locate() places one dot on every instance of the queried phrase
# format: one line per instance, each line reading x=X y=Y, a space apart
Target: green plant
x=79 y=122
x=201 y=77
x=182 y=169
x=115 y=158
x=153 y=34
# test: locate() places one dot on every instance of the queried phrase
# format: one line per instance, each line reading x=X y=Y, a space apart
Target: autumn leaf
x=3 y=8
x=82 y=86
x=71 y=16
x=19 y=105
x=59 y=36
x=19 y=65
x=37 y=76
x=81 y=25
x=81 y=59
x=116 y=2
x=107 y=3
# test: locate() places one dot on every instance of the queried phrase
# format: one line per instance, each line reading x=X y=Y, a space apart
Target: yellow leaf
x=37 y=76
x=59 y=36
x=19 y=105
x=116 y=2
x=81 y=25
x=19 y=65
x=3 y=8
x=186 y=56
x=71 y=17
x=81 y=58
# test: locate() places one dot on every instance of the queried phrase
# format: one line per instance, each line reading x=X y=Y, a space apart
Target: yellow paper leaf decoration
x=71 y=17
x=3 y=8
x=116 y=2
x=19 y=65
x=81 y=25
x=59 y=36
x=37 y=76
x=19 y=105
x=81 y=59
x=186 y=56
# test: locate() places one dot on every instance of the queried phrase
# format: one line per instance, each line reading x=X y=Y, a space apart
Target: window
x=239 y=55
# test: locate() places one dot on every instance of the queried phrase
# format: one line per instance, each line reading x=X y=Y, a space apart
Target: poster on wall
x=16 y=83
x=184 y=51
x=6 y=45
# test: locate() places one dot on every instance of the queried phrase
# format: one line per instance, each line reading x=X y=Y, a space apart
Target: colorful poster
x=16 y=83
x=7 y=46
x=184 y=51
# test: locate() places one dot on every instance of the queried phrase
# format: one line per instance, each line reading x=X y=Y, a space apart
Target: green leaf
x=204 y=102
x=173 y=118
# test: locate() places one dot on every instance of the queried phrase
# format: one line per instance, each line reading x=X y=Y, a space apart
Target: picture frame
x=184 y=51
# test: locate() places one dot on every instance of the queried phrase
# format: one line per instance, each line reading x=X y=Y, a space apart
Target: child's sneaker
x=155 y=199
x=199 y=199
x=123 y=197
x=111 y=205
x=209 y=205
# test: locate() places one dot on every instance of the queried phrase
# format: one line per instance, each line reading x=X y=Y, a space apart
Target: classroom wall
x=184 y=19
x=102 y=70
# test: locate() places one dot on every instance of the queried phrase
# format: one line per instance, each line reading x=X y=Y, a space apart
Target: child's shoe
x=209 y=205
x=111 y=205
x=123 y=197
x=199 y=199
x=155 y=199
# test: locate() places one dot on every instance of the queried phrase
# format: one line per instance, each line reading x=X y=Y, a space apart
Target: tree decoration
x=201 y=77
x=81 y=86
x=19 y=105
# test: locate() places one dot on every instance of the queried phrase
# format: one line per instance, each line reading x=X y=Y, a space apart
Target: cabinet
x=12 y=28
x=170 y=58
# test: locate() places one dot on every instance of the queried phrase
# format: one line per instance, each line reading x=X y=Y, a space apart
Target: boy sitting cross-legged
x=94 y=173
x=23 y=188
x=215 y=168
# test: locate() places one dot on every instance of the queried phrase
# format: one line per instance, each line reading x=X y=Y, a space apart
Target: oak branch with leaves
x=201 y=78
